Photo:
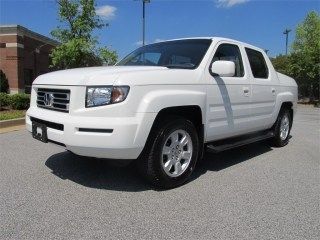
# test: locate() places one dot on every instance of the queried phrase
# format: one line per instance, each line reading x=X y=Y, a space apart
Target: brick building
x=24 y=55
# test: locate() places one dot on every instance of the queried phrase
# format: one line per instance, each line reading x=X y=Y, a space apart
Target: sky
x=258 y=22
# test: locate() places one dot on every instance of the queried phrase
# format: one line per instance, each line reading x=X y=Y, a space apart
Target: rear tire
x=282 y=128
x=171 y=154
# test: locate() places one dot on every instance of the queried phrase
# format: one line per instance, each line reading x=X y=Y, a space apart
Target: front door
x=228 y=98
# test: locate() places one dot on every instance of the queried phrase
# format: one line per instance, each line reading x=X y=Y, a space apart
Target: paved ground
x=255 y=192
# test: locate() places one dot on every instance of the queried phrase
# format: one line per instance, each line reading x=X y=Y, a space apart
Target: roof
x=23 y=31
x=208 y=38
x=217 y=39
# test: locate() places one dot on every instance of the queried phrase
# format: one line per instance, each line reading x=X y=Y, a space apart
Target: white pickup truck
x=165 y=104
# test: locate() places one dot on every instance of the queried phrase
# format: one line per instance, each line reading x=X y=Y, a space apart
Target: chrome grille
x=53 y=99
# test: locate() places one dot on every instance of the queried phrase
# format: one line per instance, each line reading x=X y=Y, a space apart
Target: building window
x=28 y=79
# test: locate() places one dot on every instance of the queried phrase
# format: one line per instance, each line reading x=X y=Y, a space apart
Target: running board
x=222 y=145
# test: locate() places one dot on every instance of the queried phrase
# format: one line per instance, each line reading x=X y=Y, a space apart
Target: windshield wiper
x=181 y=65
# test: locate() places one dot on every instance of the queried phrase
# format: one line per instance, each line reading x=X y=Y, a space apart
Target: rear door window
x=257 y=63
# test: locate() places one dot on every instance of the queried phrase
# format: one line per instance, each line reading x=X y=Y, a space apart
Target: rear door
x=228 y=98
x=263 y=90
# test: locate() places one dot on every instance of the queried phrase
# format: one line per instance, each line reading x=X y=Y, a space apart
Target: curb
x=12 y=122
x=308 y=105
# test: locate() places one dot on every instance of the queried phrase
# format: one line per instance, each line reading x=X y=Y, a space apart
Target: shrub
x=4 y=86
x=19 y=101
x=4 y=100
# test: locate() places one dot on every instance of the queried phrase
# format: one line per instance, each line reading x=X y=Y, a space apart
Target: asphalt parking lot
x=254 y=192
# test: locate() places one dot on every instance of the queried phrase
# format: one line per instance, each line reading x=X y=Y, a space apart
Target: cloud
x=106 y=11
x=229 y=3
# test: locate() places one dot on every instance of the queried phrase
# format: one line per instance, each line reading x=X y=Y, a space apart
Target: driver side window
x=230 y=52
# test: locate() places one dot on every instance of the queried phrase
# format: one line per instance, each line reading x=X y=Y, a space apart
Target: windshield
x=172 y=54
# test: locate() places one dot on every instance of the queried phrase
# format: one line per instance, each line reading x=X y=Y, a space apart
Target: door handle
x=246 y=91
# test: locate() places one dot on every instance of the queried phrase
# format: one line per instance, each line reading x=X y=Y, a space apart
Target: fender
x=282 y=98
x=156 y=100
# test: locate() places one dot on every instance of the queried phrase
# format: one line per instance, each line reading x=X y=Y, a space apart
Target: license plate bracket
x=39 y=132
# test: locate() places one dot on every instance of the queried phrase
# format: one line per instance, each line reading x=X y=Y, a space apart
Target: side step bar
x=222 y=145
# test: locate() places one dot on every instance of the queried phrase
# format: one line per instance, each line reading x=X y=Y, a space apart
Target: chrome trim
x=59 y=99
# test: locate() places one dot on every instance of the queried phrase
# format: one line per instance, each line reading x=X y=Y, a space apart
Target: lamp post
x=286 y=32
x=144 y=20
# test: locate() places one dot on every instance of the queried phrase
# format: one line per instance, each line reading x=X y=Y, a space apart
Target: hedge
x=19 y=101
x=4 y=100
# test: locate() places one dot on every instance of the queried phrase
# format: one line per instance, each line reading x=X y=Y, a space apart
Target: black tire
x=277 y=141
x=150 y=162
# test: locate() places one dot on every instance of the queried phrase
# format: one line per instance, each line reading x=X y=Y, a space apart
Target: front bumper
x=126 y=140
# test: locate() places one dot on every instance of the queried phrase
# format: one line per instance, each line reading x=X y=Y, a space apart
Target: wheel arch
x=192 y=113
x=285 y=99
x=287 y=105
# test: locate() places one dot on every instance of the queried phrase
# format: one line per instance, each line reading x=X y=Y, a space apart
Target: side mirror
x=223 y=68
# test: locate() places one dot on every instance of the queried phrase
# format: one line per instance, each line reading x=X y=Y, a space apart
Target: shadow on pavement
x=221 y=161
x=100 y=174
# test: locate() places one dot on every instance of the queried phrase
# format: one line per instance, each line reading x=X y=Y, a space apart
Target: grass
x=12 y=114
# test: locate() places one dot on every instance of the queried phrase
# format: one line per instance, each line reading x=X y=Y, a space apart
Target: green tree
x=305 y=55
x=108 y=57
x=4 y=85
x=79 y=48
x=281 y=64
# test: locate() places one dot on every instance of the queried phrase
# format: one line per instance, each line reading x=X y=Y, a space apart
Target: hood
x=91 y=75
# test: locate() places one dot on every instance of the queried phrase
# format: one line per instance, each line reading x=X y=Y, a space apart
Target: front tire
x=282 y=128
x=172 y=154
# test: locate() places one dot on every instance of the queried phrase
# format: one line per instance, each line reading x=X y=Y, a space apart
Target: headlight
x=99 y=96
